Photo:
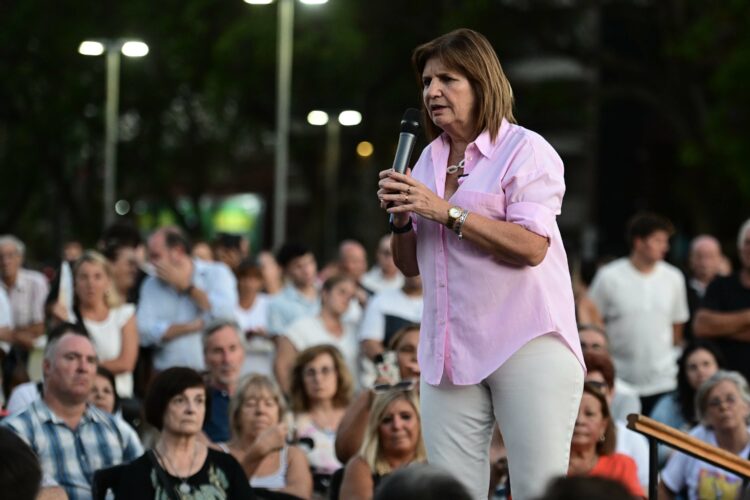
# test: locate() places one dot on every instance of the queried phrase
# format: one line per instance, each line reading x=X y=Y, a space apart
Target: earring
x=603 y=437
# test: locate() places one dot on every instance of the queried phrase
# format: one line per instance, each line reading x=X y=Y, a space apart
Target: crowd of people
x=174 y=370
x=312 y=391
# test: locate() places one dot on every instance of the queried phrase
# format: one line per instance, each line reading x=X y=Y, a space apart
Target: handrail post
x=653 y=468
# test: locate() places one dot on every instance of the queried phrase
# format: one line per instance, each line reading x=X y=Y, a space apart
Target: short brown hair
x=299 y=398
x=471 y=54
x=644 y=224
x=602 y=363
x=606 y=446
x=165 y=386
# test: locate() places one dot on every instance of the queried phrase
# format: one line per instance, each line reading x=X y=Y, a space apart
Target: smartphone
x=386 y=367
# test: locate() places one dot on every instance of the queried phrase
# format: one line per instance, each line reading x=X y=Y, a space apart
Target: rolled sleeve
x=534 y=200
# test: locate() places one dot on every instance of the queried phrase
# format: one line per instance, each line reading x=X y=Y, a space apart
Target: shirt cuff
x=532 y=216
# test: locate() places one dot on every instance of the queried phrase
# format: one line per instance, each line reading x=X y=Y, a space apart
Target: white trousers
x=534 y=397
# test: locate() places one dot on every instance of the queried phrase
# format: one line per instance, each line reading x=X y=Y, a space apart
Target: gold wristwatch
x=453 y=215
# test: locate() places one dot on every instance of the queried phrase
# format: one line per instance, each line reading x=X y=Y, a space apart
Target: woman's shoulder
x=123 y=312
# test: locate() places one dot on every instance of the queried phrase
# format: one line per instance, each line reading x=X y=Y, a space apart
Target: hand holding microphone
x=406 y=140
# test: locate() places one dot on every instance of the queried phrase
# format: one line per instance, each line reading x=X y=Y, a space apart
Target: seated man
x=72 y=438
x=224 y=354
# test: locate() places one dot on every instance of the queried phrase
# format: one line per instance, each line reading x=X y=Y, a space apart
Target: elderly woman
x=477 y=219
x=109 y=322
x=321 y=391
x=256 y=419
x=593 y=445
x=179 y=465
x=723 y=407
x=393 y=440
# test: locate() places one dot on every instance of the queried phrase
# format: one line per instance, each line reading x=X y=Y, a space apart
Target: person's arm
x=52 y=493
x=533 y=196
x=151 y=327
x=403 y=245
x=286 y=353
x=221 y=296
x=664 y=493
x=357 y=483
x=299 y=481
x=270 y=440
x=710 y=324
x=125 y=362
x=352 y=427
x=677 y=330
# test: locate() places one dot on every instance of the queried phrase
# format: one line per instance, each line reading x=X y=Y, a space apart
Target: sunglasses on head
x=404 y=385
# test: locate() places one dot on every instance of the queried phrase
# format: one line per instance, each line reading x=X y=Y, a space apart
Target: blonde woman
x=109 y=323
x=256 y=420
x=393 y=440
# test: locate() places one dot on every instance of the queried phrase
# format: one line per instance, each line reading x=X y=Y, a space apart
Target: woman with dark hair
x=476 y=218
x=592 y=451
x=321 y=390
x=179 y=465
x=699 y=361
x=103 y=393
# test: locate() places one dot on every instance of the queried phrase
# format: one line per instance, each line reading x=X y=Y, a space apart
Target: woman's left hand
x=409 y=195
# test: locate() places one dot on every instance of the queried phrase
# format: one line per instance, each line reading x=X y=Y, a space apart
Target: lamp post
x=285 y=41
x=347 y=118
x=112 y=48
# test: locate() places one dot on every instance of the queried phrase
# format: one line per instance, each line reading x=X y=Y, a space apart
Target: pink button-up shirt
x=478 y=310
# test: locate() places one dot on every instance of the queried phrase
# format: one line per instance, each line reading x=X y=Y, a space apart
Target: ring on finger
x=408 y=190
x=406 y=197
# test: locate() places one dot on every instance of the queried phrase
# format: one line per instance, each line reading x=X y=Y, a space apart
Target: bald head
x=352 y=259
x=705 y=258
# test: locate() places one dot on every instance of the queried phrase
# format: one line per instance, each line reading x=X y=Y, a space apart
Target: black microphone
x=406 y=139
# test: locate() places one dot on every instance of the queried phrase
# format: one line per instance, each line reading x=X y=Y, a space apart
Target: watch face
x=454 y=212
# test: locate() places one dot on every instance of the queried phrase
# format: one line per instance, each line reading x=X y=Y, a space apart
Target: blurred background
x=646 y=102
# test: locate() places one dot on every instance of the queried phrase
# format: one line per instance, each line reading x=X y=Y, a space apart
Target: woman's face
x=448 y=98
x=320 y=378
x=406 y=353
x=337 y=299
x=399 y=428
x=185 y=412
x=259 y=411
x=590 y=423
x=91 y=283
x=102 y=394
x=125 y=269
x=725 y=409
x=699 y=366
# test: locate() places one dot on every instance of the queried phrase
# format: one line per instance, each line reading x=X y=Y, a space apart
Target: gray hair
x=9 y=239
x=741 y=235
x=52 y=344
x=217 y=325
x=701 y=397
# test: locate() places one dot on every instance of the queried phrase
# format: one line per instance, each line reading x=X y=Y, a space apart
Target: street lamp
x=347 y=118
x=112 y=47
x=283 y=104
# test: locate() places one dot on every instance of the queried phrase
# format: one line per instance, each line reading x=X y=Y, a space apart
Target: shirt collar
x=45 y=413
x=483 y=142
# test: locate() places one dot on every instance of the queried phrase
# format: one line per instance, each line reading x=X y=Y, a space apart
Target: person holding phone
x=476 y=218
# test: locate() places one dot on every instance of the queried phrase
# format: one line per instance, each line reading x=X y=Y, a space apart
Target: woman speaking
x=477 y=219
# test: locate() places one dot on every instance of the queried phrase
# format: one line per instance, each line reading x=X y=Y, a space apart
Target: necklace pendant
x=184 y=488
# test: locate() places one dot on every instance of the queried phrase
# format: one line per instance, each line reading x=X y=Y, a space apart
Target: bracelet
x=400 y=230
x=460 y=223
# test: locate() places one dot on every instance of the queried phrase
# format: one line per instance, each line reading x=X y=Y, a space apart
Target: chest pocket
x=489 y=205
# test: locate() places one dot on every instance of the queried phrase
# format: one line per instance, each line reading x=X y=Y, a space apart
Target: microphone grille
x=410 y=121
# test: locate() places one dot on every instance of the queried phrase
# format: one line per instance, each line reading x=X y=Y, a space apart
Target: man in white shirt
x=644 y=304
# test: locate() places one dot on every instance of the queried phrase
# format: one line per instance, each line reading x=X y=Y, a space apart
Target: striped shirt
x=68 y=456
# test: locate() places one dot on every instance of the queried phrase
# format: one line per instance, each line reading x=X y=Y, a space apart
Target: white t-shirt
x=701 y=479
x=22 y=396
x=6 y=316
x=107 y=338
x=375 y=281
x=258 y=351
x=639 y=311
x=389 y=303
x=310 y=331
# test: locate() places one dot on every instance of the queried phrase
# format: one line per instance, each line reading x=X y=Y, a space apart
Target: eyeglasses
x=716 y=403
x=404 y=385
x=598 y=385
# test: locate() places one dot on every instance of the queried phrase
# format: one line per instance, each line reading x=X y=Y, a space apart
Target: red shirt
x=620 y=468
